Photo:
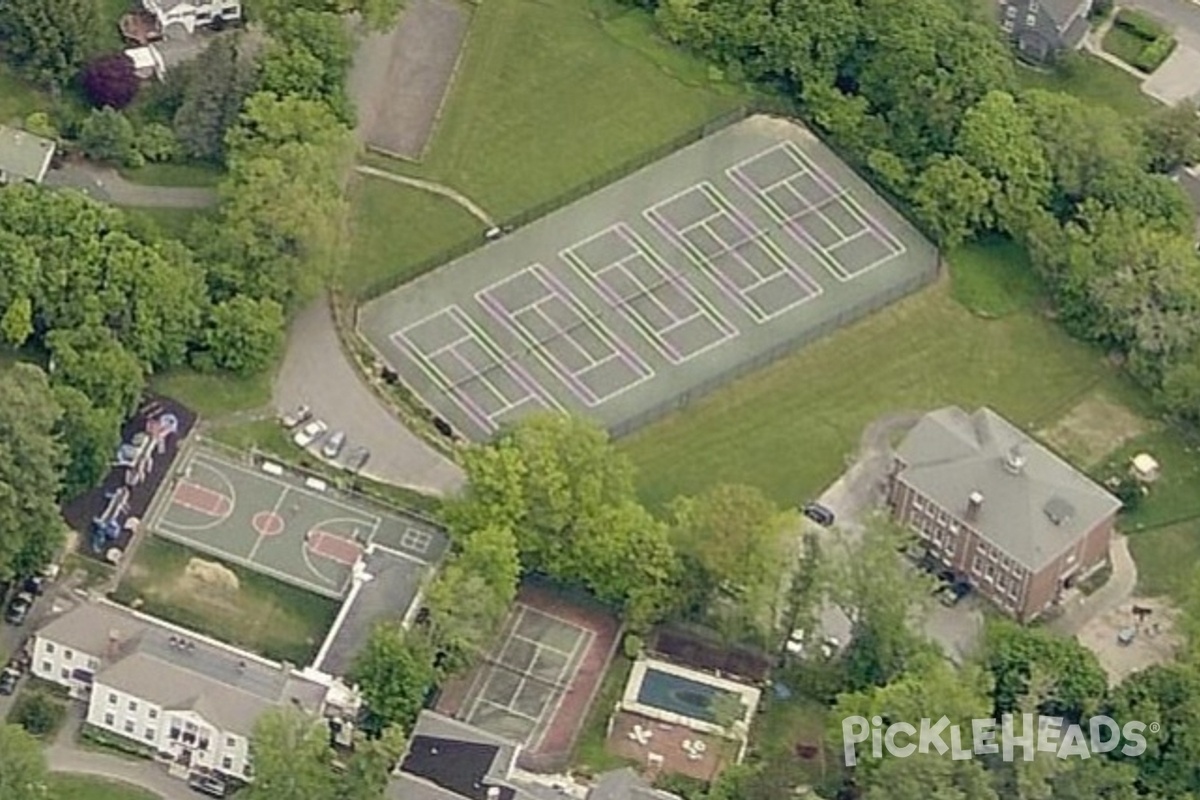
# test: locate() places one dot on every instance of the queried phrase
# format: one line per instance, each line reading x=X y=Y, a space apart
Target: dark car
x=818 y=514
x=34 y=585
x=8 y=681
x=210 y=785
x=357 y=459
x=18 y=609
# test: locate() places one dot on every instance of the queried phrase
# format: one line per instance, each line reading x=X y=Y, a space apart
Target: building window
x=1010 y=12
x=112 y=699
x=174 y=732
x=150 y=734
x=129 y=726
x=133 y=705
x=226 y=763
x=68 y=654
x=977 y=564
x=152 y=713
x=93 y=664
x=990 y=575
x=1033 y=7
x=64 y=673
x=47 y=666
x=230 y=741
x=109 y=719
x=49 y=647
x=1031 y=20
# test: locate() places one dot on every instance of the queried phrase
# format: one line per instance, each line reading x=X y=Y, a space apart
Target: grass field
x=88 y=787
x=214 y=395
x=192 y=174
x=1123 y=44
x=552 y=93
x=1093 y=81
x=995 y=279
x=18 y=99
x=1167 y=559
x=261 y=614
x=791 y=427
x=396 y=228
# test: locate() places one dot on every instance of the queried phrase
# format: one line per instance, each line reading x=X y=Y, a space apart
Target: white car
x=310 y=433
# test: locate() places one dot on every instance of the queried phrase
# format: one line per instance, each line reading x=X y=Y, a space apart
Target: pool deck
x=664 y=752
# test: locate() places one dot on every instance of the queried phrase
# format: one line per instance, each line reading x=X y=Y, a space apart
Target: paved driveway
x=107 y=186
x=1178 y=78
x=315 y=372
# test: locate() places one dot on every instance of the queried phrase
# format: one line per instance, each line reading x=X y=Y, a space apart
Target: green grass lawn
x=547 y=99
x=791 y=428
x=88 y=787
x=172 y=223
x=1093 y=81
x=169 y=174
x=1167 y=558
x=262 y=614
x=994 y=279
x=778 y=730
x=1123 y=44
x=396 y=228
x=214 y=395
x=1173 y=497
x=18 y=99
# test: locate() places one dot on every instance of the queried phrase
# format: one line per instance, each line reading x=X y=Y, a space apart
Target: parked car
x=796 y=644
x=334 y=444
x=358 y=459
x=818 y=514
x=8 y=680
x=210 y=785
x=950 y=594
x=18 y=609
x=311 y=432
x=296 y=417
x=34 y=585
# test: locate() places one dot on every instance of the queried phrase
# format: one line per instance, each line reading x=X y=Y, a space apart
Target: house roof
x=1064 y=12
x=1034 y=505
x=175 y=670
x=23 y=155
x=625 y=784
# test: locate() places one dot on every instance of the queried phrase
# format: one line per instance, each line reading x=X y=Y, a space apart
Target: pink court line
x=218 y=503
x=334 y=548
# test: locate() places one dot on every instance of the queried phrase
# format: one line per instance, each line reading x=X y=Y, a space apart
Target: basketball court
x=652 y=288
x=280 y=525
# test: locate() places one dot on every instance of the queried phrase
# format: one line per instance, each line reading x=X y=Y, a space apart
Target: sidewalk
x=1119 y=589
x=146 y=774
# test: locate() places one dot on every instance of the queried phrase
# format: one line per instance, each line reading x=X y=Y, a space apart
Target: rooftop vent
x=974 y=503
x=1058 y=510
x=1014 y=462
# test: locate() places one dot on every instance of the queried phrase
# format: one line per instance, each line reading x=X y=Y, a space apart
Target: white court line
x=191 y=462
x=570 y=378
x=274 y=510
x=649 y=331
x=321 y=499
x=589 y=637
x=787 y=268
x=433 y=372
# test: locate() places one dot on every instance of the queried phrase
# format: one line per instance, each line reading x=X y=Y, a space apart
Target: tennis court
x=282 y=525
x=654 y=289
x=536 y=685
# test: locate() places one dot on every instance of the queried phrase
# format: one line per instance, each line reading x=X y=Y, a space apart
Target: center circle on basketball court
x=267 y=523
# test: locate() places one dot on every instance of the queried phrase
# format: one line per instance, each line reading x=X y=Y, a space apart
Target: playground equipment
x=136 y=458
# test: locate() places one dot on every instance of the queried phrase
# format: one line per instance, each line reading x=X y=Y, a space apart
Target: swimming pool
x=688 y=698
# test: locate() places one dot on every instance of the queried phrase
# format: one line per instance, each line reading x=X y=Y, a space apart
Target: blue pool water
x=679 y=695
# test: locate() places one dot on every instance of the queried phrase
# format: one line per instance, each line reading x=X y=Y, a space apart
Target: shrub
x=104 y=740
x=1141 y=25
x=1154 y=54
x=106 y=135
x=632 y=646
x=39 y=714
x=1100 y=9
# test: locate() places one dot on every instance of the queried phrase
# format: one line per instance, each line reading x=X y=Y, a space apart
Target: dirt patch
x=211 y=575
x=1094 y=428
x=1155 y=642
x=400 y=77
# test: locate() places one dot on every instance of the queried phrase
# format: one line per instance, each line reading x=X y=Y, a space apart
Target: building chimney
x=1014 y=462
x=974 y=503
x=493 y=793
x=114 y=643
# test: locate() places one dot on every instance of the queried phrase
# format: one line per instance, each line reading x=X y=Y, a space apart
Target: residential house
x=450 y=760
x=192 y=14
x=191 y=699
x=23 y=156
x=999 y=510
x=1042 y=30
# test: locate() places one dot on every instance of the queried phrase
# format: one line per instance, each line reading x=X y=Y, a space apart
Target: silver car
x=334 y=444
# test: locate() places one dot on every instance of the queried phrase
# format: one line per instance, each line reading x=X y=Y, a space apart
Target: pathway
x=429 y=186
x=145 y=774
x=1108 y=597
x=107 y=185
x=316 y=372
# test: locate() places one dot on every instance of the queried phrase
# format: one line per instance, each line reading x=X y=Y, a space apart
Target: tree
x=733 y=542
x=107 y=135
x=90 y=359
x=49 y=39
x=952 y=197
x=879 y=593
x=997 y=137
x=1173 y=137
x=292 y=758
x=395 y=672
x=214 y=88
x=91 y=436
x=244 y=334
x=24 y=775
x=30 y=472
x=156 y=142
x=1072 y=681
x=308 y=59
x=111 y=80
x=1170 y=696
x=17 y=323
x=369 y=767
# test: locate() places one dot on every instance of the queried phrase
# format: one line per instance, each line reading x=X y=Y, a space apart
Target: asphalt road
x=315 y=372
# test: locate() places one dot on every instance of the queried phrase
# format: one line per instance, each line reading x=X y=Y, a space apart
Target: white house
x=192 y=14
x=192 y=699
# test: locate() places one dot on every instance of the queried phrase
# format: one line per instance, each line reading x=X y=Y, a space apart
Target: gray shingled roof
x=1033 y=515
x=153 y=662
x=625 y=784
x=1062 y=11
x=24 y=156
